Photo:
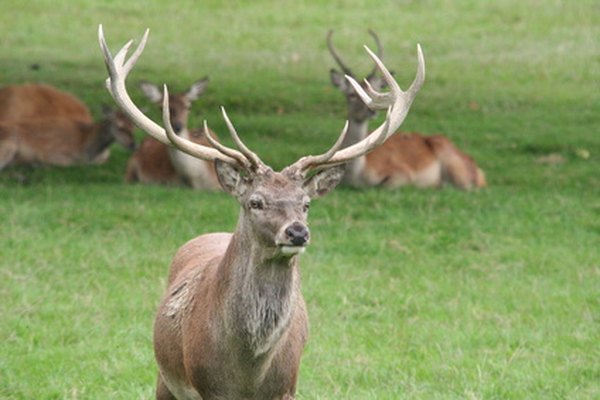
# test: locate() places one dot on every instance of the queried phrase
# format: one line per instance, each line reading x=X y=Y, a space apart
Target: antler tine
x=307 y=163
x=379 y=53
x=374 y=99
x=396 y=101
x=420 y=78
x=224 y=149
x=251 y=156
x=335 y=56
x=118 y=68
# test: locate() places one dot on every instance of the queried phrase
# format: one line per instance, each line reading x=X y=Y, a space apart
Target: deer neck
x=357 y=130
x=99 y=139
x=260 y=294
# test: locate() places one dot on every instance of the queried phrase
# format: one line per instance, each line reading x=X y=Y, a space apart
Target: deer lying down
x=233 y=323
x=64 y=141
x=155 y=162
x=22 y=103
x=406 y=158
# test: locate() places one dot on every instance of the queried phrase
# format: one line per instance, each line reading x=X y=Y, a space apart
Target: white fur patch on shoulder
x=177 y=299
x=180 y=296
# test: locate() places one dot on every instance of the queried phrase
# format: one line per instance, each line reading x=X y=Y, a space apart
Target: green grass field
x=412 y=294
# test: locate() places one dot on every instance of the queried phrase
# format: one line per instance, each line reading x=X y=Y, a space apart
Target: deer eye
x=256 y=204
x=306 y=206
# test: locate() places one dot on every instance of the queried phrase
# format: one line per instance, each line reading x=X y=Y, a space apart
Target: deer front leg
x=162 y=392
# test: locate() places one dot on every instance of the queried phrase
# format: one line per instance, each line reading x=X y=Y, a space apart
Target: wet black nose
x=297 y=233
x=177 y=127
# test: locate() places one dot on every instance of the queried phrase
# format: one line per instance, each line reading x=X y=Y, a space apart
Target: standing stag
x=232 y=323
x=155 y=162
x=406 y=158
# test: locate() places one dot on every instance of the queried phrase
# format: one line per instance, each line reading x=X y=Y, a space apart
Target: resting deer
x=406 y=158
x=232 y=323
x=21 y=103
x=64 y=141
x=155 y=162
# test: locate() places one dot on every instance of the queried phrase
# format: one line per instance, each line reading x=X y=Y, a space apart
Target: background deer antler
x=345 y=69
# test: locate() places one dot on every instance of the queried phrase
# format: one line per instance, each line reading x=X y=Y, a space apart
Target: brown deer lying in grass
x=232 y=323
x=155 y=162
x=40 y=124
x=21 y=103
x=406 y=158
x=63 y=141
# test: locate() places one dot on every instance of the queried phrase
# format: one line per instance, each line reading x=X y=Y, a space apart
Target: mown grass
x=435 y=294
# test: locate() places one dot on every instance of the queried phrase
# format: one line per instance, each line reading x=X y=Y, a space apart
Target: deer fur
x=22 y=103
x=64 y=141
x=155 y=163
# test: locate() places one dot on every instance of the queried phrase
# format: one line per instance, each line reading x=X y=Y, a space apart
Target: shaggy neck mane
x=259 y=296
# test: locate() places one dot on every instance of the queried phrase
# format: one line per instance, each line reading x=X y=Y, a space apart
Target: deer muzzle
x=294 y=238
x=297 y=234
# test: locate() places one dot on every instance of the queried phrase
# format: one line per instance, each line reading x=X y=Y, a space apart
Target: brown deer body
x=406 y=158
x=151 y=164
x=21 y=103
x=232 y=323
x=155 y=162
x=64 y=141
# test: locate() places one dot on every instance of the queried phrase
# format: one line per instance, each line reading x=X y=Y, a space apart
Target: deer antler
x=335 y=56
x=379 y=53
x=118 y=69
x=396 y=101
x=339 y=61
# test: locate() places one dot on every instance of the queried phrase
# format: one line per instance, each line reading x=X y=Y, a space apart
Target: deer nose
x=177 y=126
x=297 y=234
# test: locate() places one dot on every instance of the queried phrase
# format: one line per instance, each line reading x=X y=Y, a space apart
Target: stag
x=233 y=323
x=406 y=158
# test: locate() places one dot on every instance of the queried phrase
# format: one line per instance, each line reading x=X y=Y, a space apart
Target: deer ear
x=197 y=89
x=231 y=179
x=338 y=80
x=324 y=181
x=108 y=111
x=152 y=92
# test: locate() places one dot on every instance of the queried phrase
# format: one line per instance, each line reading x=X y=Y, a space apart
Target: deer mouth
x=290 y=249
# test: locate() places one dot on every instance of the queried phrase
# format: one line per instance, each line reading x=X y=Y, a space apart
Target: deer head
x=118 y=127
x=179 y=104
